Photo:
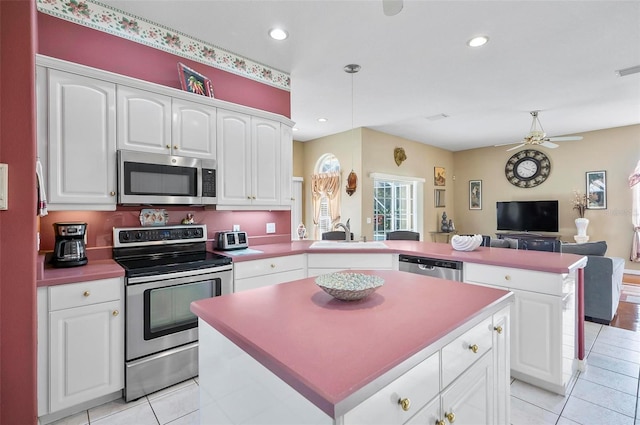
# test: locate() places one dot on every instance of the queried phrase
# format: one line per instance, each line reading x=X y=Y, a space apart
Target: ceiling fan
x=537 y=136
x=392 y=7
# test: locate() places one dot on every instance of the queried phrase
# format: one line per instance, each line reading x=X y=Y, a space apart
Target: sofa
x=602 y=280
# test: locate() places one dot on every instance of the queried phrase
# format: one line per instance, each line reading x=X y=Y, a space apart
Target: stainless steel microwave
x=156 y=179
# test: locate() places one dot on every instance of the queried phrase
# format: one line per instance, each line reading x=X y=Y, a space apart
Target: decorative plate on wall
x=527 y=168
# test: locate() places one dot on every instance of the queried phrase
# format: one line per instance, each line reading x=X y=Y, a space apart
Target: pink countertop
x=552 y=262
x=46 y=275
x=327 y=349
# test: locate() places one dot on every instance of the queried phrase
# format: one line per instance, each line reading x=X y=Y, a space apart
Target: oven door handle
x=180 y=277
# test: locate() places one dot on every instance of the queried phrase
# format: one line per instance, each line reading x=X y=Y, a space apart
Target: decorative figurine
x=445 y=226
x=302 y=231
x=188 y=219
x=450 y=226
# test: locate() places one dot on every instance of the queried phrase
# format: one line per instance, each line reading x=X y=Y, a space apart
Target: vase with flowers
x=580 y=205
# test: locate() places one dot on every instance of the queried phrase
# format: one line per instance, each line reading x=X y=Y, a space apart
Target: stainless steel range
x=166 y=268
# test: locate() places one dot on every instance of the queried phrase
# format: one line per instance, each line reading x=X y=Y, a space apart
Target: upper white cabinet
x=252 y=170
x=77 y=132
x=151 y=122
x=86 y=114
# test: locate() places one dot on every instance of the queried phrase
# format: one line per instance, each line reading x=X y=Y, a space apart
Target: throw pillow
x=590 y=248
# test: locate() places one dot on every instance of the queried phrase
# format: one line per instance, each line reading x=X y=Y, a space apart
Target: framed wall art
x=194 y=82
x=596 y=190
x=438 y=200
x=439 y=178
x=475 y=194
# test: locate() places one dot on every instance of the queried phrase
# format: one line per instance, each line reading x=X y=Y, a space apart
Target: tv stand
x=527 y=235
x=534 y=241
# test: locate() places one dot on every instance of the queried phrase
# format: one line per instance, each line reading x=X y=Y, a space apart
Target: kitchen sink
x=347 y=245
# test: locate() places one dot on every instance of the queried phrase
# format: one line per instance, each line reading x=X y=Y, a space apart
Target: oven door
x=158 y=315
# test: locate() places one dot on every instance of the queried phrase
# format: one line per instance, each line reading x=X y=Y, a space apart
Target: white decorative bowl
x=347 y=286
x=466 y=243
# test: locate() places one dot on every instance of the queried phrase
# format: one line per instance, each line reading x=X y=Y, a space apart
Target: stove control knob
x=138 y=235
x=124 y=236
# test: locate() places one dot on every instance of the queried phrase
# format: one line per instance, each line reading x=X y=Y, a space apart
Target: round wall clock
x=527 y=168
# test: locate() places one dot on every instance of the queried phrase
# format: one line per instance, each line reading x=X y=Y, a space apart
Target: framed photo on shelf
x=439 y=178
x=475 y=194
x=596 y=190
x=194 y=82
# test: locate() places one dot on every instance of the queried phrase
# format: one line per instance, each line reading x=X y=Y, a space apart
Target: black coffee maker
x=69 y=250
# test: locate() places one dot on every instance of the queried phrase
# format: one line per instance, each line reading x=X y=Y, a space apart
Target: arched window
x=326 y=164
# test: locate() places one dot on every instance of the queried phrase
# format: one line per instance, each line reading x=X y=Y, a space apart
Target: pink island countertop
x=551 y=262
x=328 y=349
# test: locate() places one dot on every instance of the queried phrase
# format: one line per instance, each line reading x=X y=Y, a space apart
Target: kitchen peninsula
x=417 y=348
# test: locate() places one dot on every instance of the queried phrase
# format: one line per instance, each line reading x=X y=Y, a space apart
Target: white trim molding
x=383 y=176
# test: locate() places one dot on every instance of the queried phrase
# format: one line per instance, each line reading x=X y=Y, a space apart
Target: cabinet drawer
x=351 y=261
x=459 y=354
x=265 y=266
x=267 y=280
x=419 y=385
x=526 y=280
x=85 y=293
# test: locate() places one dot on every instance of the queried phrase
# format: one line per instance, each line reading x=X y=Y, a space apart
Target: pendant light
x=352 y=179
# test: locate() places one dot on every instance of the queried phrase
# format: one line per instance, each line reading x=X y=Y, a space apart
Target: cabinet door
x=536 y=340
x=286 y=166
x=144 y=121
x=86 y=353
x=266 y=162
x=469 y=400
x=234 y=158
x=502 y=365
x=82 y=155
x=193 y=133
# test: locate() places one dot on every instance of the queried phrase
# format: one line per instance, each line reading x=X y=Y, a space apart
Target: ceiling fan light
x=278 y=34
x=478 y=41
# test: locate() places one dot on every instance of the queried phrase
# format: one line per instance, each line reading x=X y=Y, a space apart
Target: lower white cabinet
x=318 y=264
x=268 y=271
x=464 y=382
x=83 y=357
x=543 y=320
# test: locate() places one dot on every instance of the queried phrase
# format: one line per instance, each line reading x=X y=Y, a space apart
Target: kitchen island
x=418 y=347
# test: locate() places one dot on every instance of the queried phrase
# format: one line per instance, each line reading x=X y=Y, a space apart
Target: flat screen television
x=527 y=216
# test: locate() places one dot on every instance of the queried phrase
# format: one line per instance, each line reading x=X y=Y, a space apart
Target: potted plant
x=580 y=205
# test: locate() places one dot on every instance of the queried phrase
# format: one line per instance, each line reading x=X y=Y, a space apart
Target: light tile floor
x=607 y=393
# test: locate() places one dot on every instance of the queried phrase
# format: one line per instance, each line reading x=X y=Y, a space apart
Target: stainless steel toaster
x=232 y=240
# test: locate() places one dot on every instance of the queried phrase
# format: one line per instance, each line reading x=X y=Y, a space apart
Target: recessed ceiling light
x=478 y=41
x=294 y=129
x=278 y=34
x=322 y=120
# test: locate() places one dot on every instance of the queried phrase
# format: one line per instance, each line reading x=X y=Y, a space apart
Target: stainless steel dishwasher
x=443 y=269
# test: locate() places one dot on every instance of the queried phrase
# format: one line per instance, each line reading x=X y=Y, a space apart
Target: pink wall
x=18 y=223
x=75 y=43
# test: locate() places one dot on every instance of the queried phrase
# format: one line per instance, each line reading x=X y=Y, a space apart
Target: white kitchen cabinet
x=286 y=166
x=469 y=400
x=155 y=123
x=543 y=308
x=318 y=264
x=254 y=162
x=268 y=271
x=502 y=364
x=193 y=132
x=80 y=344
x=78 y=143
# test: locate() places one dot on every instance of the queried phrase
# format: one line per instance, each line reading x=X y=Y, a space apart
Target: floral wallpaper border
x=102 y=17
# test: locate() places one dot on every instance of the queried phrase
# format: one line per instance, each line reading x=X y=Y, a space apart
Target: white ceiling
x=555 y=56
